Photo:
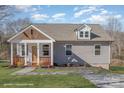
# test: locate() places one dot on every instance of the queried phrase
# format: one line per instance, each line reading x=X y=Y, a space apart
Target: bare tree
x=114 y=28
x=15 y=26
x=6 y=12
x=11 y=28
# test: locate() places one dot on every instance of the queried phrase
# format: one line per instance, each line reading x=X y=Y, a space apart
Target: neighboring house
x=49 y=44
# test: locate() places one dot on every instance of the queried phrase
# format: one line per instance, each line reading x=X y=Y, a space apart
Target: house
x=49 y=44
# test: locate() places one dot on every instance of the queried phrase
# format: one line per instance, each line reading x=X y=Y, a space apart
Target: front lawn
x=41 y=81
x=117 y=69
x=59 y=69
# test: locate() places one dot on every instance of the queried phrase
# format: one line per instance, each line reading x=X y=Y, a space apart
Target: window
x=81 y=33
x=68 y=50
x=86 y=34
x=22 y=50
x=45 y=50
x=97 y=49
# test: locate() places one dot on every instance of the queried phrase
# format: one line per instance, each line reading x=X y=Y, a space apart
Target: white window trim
x=100 y=49
x=21 y=50
x=65 y=50
x=20 y=46
x=84 y=34
x=41 y=50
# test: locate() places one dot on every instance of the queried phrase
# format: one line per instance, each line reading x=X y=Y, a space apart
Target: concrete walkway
x=103 y=80
x=24 y=71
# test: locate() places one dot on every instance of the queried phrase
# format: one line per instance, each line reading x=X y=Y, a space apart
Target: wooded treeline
x=9 y=26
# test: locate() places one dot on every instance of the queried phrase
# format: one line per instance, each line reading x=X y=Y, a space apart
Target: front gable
x=30 y=33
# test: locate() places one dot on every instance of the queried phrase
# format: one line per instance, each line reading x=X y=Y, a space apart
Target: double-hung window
x=68 y=49
x=97 y=49
x=86 y=34
x=81 y=34
x=45 y=50
x=22 y=49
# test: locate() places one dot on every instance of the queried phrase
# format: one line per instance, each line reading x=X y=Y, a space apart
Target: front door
x=34 y=55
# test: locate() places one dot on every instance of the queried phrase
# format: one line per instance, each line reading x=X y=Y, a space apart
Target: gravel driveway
x=104 y=80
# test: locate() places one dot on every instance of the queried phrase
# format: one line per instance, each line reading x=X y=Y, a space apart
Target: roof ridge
x=63 y=24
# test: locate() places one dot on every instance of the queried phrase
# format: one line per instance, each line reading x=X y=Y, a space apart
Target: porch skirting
x=43 y=62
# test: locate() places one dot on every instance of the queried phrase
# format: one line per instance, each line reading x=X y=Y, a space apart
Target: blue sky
x=69 y=13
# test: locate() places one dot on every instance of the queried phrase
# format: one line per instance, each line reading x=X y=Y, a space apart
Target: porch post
x=11 y=53
x=17 y=49
x=51 y=53
x=25 y=44
x=38 y=54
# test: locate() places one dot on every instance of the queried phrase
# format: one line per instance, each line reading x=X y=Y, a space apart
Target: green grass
x=41 y=81
x=59 y=69
x=117 y=69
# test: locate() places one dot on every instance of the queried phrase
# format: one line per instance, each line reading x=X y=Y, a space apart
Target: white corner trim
x=11 y=53
x=109 y=53
x=28 y=28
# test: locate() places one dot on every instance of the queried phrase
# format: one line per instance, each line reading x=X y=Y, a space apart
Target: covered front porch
x=32 y=53
x=31 y=47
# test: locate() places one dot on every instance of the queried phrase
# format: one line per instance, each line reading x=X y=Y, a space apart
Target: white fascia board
x=18 y=33
x=33 y=41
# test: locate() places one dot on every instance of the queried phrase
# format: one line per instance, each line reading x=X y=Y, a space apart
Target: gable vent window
x=97 y=49
x=68 y=50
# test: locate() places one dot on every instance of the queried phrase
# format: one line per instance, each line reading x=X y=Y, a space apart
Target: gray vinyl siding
x=83 y=52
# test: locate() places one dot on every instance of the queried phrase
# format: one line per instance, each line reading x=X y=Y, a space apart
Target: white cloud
x=99 y=19
x=40 y=16
x=118 y=16
x=58 y=15
x=102 y=18
x=34 y=9
x=97 y=15
x=28 y=8
x=75 y=8
x=103 y=12
x=87 y=10
x=24 y=8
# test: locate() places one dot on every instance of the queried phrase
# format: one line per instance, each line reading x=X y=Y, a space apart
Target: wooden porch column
x=11 y=53
x=25 y=44
x=51 y=53
x=38 y=54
